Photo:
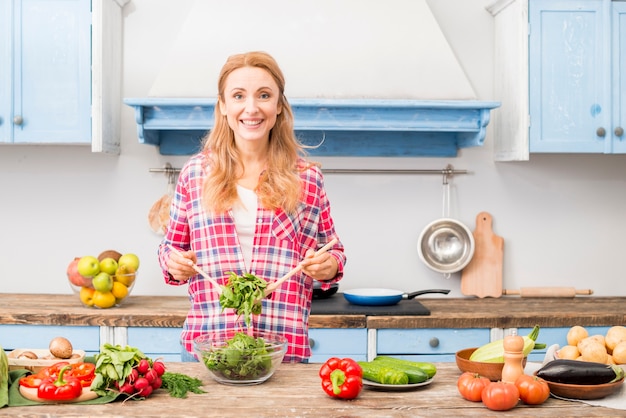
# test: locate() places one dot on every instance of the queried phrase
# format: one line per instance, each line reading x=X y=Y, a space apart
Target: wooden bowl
x=44 y=359
x=492 y=371
x=568 y=391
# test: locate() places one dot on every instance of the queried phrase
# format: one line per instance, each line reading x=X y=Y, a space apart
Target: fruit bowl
x=104 y=281
x=492 y=371
x=234 y=358
x=92 y=298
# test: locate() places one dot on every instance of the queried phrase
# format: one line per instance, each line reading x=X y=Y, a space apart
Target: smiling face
x=250 y=104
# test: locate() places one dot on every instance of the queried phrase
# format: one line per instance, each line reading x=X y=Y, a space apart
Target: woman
x=250 y=202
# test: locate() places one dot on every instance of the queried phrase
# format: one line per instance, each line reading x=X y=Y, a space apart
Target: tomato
x=471 y=386
x=533 y=390
x=500 y=396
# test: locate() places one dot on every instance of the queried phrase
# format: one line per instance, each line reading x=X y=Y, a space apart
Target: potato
x=593 y=351
x=569 y=352
x=61 y=348
x=614 y=336
x=576 y=334
x=619 y=353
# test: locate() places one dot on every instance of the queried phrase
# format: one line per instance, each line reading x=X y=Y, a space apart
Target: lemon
x=103 y=299
x=119 y=291
x=86 y=295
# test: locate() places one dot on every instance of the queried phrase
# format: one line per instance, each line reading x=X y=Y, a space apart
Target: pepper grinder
x=513 y=358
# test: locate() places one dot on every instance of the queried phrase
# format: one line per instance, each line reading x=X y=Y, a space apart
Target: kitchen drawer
x=436 y=344
x=550 y=336
x=39 y=336
x=326 y=343
x=154 y=342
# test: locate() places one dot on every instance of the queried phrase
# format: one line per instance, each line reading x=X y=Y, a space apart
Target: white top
x=245 y=221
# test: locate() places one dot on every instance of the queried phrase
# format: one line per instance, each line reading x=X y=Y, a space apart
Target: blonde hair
x=279 y=186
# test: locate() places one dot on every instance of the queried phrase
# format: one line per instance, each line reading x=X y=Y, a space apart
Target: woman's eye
x=264 y=96
x=238 y=96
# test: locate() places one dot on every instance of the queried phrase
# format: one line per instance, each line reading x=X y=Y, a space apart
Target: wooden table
x=295 y=391
x=504 y=312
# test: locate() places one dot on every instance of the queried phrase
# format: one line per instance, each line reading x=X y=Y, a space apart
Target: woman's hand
x=180 y=266
x=322 y=267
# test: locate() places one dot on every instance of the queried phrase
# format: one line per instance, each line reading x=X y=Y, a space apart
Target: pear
x=125 y=274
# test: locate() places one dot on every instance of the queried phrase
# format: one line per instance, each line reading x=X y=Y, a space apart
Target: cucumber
x=382 y=374
x=576 y=372
x=404 y=365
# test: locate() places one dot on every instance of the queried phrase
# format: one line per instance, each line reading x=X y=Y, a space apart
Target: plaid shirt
x=280 y=243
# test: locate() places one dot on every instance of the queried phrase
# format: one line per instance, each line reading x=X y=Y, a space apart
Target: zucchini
x=576 y=372
x=406 y=365
x=378 y=373
x=493 y=352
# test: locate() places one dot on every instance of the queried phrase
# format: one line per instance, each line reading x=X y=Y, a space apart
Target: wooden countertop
x=295 y=391
x=170 y=311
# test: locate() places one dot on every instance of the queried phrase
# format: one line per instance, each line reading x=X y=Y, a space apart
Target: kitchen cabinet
x=559 y=68
x=326 y=343
x=62 y=81
x=432 y=345
x=14 y=336
x=155 y=342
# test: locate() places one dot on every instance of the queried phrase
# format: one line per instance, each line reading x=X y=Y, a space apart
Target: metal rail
x=446 y=172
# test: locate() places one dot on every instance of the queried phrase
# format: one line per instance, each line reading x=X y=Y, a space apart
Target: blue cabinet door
x=51 y=73
x=569 y=76
x=326 y=343
x=431 y=345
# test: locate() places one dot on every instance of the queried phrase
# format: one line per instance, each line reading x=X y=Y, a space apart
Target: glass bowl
x=122 y=286
x=234 y=358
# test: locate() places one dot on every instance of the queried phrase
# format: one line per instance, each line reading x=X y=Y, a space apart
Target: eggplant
x=576 y=372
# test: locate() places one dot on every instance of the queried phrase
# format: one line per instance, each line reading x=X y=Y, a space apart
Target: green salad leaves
x=243 y=358
x=244 y=294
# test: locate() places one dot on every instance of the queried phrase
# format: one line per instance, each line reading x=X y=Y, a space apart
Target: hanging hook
x=447 y=172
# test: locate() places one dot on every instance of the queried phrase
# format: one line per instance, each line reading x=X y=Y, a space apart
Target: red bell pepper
x=341 y=378
x=61 y=388
x=85 y=372
x=30 y=381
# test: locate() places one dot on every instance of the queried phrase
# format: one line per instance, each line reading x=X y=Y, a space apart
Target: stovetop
x=338 y=305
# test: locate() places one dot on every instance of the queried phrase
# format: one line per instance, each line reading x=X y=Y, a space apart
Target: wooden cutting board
x=482 y=277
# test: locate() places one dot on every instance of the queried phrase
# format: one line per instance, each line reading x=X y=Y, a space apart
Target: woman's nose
x=251 y=105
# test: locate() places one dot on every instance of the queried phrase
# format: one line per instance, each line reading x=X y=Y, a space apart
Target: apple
x=103 y=282
x=129 y=260
x=88 y=266
x=108 y=265
x=74 y=276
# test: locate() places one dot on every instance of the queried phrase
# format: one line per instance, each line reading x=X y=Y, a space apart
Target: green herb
x=178 y=384
x=243 y=358
x=4 y=378
x=244 y=294
x=114 y=364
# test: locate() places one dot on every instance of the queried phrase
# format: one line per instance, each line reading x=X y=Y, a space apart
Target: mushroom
x=61 y=348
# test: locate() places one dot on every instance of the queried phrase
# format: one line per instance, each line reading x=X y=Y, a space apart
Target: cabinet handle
x=601 y=132
x=311 y=342
x=619 y=131
x=18 y=120
x=434 y=342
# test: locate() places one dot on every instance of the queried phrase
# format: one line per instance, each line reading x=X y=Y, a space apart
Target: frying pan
x=382 y=297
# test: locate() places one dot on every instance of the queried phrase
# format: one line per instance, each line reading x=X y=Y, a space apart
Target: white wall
x=561 y=216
